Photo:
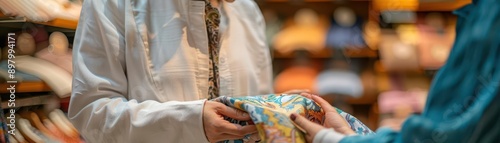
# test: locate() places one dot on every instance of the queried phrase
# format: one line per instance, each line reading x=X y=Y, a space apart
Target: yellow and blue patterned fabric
x=270 y=114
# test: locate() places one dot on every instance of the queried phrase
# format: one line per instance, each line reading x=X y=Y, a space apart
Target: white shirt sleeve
x=328 y=136
x=100 y=107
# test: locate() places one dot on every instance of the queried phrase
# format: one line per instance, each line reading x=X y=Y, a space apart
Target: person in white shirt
x=141 y=70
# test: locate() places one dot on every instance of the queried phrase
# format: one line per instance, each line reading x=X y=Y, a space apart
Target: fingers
x=310 y=127
x=323 y=103
x=233 y=113
x=306 y=95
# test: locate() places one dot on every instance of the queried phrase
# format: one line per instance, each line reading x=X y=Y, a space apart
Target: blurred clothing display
x=41 y=10
x=397 y=55
x=435 y=42
x=58 y=79
x=4 y=135
x=19 y=75
x=345 y=30
x=463 y=89
x=35 y=126
x=308 y=32
x=403 y=96
x=390 y=100
x=62 y=61
x=58 y=52
x=25 y=44
x=409 y=5
x=398 y=16
x=296 y=77
x=371 y=34
x=29 y=68
x=339 y=82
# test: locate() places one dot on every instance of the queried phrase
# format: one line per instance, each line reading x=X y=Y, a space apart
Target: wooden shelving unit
x=422 y=6
x=25 y=87
x=311 y=0
x=443 y=6
x=29 y=101
x=327 y=53
x=59 y=23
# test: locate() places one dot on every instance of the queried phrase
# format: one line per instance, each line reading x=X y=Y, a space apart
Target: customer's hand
x=332 y=117
x=218 y=129
x=310 y=128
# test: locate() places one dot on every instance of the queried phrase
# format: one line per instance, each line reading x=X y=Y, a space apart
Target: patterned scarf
x=212 y=20
x=270 y=114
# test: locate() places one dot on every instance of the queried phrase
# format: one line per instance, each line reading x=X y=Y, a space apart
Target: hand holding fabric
x=217 y=129
x=310 y=128
x=332 y=118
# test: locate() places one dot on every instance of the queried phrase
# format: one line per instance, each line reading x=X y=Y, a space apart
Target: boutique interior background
x=43 y=31
x=372 y=58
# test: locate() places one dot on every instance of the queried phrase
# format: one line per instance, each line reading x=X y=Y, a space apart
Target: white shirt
x=141 y=67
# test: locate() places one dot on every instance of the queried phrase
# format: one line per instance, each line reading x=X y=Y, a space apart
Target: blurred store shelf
x=361 y=53
x=58 y=23
x=310 y=0
x=431 y=5
x=24 y=87
x=327 y=53
x=29 y=101
x=442 y=6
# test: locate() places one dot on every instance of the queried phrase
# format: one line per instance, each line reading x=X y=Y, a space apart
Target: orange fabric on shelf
x=307 y=31
x=395 y=4
x=58 y=133
x=296 y=77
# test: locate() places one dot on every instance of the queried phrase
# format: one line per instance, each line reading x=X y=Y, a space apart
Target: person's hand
x=310 y=128
x=296 y=91
x=332 y=117
x=218 y=129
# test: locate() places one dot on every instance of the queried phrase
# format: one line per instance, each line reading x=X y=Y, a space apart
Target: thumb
x=304 y=124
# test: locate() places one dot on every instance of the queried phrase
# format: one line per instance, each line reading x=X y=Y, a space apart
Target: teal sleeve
x=383 y=135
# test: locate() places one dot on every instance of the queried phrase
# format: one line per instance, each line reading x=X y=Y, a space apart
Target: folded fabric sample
x=19 y=76
x=270 y=115
x=58 y=79
x=63 y=61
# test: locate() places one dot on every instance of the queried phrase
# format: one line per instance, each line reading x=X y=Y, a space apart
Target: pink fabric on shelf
x=62 y=61
x=390 y=100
